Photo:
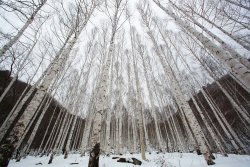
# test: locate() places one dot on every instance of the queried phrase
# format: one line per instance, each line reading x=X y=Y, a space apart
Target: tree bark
x=237 y=68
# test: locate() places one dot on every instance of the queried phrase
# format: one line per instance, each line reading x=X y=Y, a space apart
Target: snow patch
x=154 y=159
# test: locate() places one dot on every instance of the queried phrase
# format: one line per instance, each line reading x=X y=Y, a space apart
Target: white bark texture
x=238 y=108
x=49 y=141
x=139 y=108
x=236 y=55
x=174 y=84
x=242 y=149
x=96 y=133
x=34 y=131
x=40 y=147
x=91 y=115
x=120 y=109
x=132 y=35
x=237 y=68
x=92 y=108
x=109 y=111
x=214 y=109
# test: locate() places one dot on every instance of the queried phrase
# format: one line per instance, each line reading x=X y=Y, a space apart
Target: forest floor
x=161 y=160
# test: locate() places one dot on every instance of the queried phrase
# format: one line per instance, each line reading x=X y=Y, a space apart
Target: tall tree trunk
x=237 y=68
x=139 y=108
x=236 y=55
x=46 y=131
x=109 y=112
x=132 y=35
x=95 y=141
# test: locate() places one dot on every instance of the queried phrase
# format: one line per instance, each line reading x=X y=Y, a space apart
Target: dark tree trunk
x=51 y=157
x=94 y=156
x=6 y=151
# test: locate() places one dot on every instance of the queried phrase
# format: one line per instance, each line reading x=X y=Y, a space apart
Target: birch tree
x=237 y=68
x=119 y=7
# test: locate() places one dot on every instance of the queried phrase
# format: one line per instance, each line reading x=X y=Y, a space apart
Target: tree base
x=210 y=162
x=94 y=156
x=208 y=159
x=198 y=152
x=51 y=158
x=212 y=156
x=6 y=151
x=66 y=154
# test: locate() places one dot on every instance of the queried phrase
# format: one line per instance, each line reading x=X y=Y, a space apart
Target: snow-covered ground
x=164 y=160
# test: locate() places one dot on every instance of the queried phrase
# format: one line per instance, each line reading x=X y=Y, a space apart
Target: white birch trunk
x=95 y=141
x=174 y=122
x=32 y=136
x=237 y=68
x=236 y=55
x=117 y=134
x=244 y=60
x=109 y=112
x=36 y=100
x=238 y=108
x=174 y=86
x=120 y=110
x=214 y=110
x=140 y=109
x=138 y=95
x=34 y=131
x=134 y=131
